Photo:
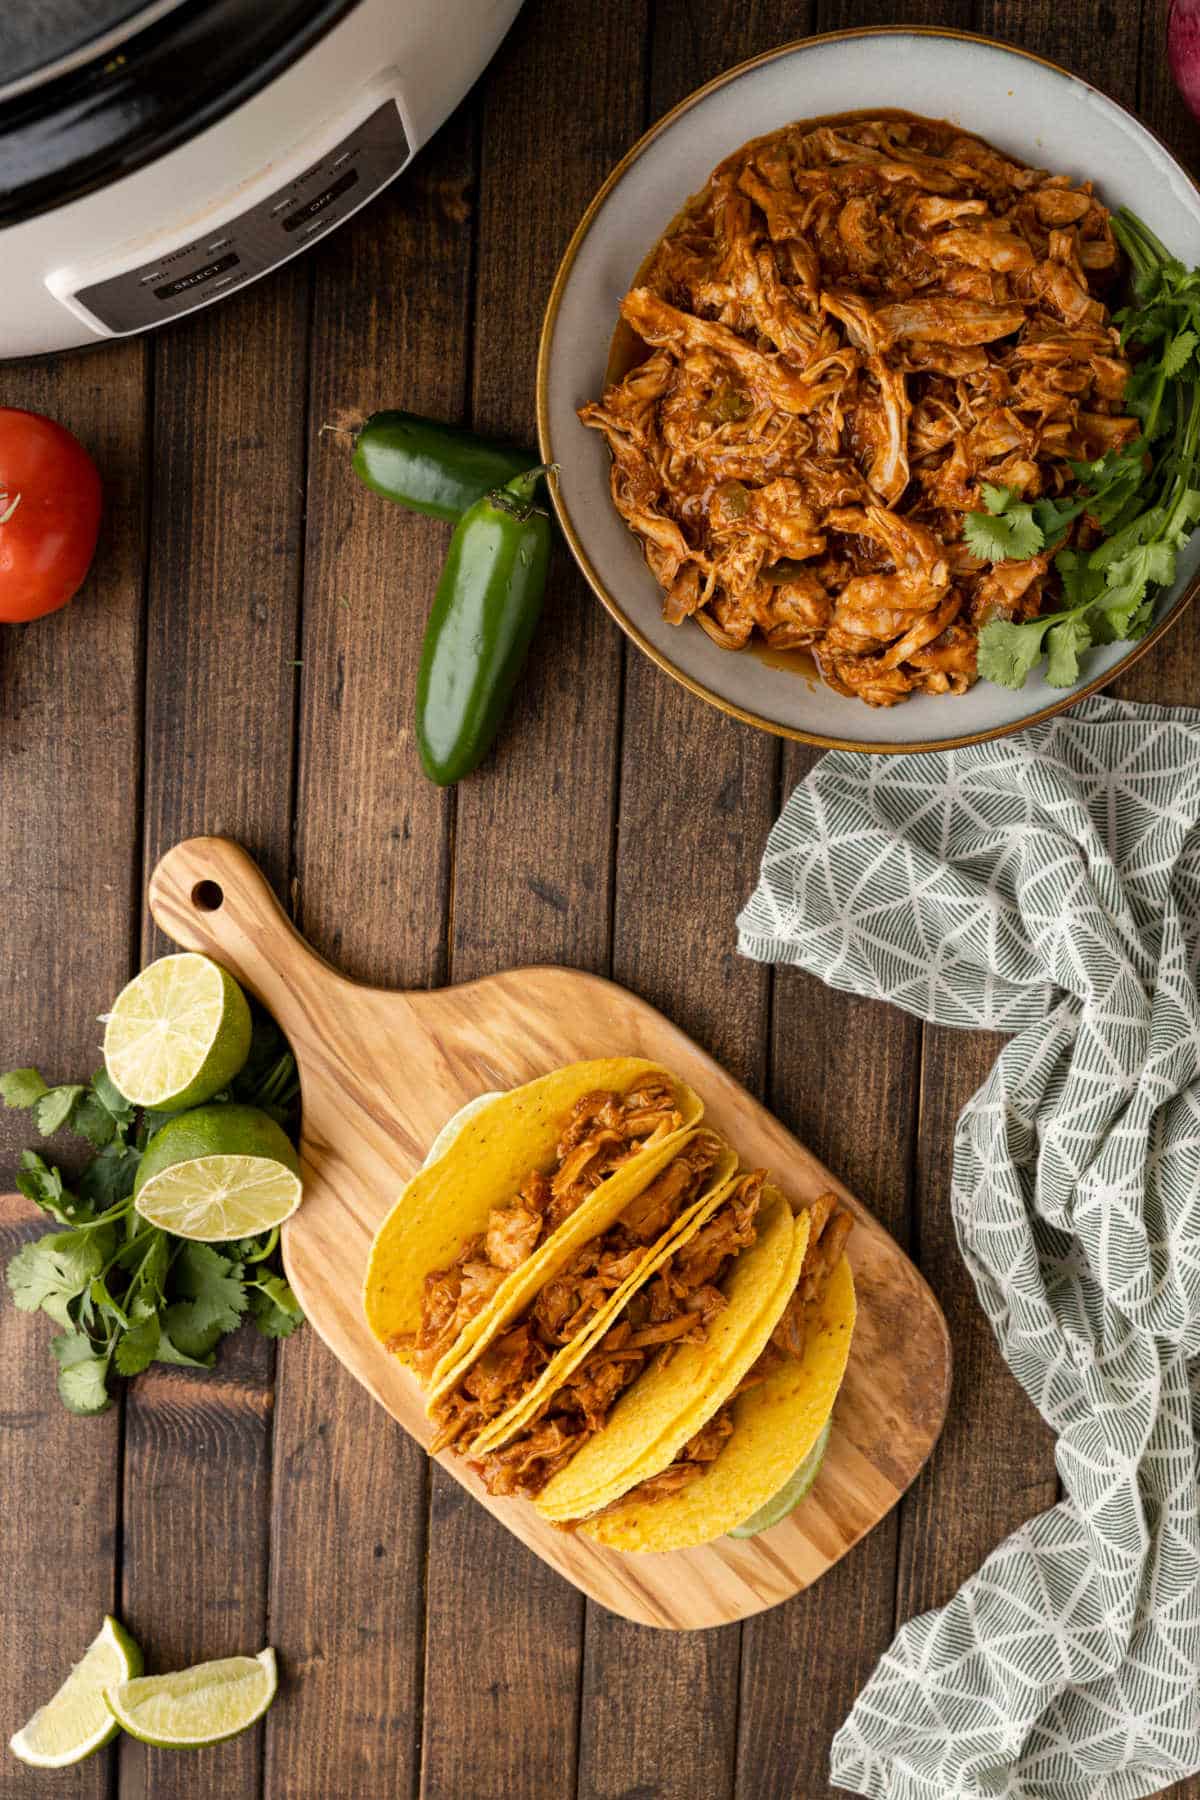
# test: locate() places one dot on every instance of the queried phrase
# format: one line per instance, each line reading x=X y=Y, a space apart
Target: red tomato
x=49 y=515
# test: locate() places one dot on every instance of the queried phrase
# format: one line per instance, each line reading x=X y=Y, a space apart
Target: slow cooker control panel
x=237 y=250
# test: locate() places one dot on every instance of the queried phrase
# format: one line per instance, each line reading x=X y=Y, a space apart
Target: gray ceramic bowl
x=1033 y=109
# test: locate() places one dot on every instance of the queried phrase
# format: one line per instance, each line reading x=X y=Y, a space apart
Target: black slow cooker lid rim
x=182 y=73
x=43 y=39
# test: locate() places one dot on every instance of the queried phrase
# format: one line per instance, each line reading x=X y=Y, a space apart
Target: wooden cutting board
x=381 y=1072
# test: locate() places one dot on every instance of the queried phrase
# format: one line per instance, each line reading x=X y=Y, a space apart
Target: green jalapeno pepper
x=487 y=605
x=436 y=469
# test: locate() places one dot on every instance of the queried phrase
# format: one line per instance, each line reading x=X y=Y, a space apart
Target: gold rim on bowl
x=592 y=575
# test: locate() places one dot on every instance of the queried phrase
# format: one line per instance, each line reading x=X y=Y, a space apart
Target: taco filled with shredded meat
x=542 y=1346
x=746 y=1452
x=708 y=1435
x=519 y=1189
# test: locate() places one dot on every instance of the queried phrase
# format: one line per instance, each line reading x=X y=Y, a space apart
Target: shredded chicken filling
x=605 y=1129
x=504 y=1373
x=676 y=1306
x=847 y=332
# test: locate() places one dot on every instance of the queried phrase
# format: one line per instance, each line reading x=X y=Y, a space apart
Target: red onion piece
x=1183 y=50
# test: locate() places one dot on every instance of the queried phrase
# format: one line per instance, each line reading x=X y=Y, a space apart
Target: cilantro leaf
x=56 y=1269
x=53 y=1108
x=41 y=1182
x=146 y=1256
x=93 y=1122
x=1008 y=536
x=100 y=1113
x=109 y=1177
x=1178 y=353
x=22 y=1087
x=1007 y=651
x=104 y=1305
x=185 y=1331
x=210 y=1298
x=995 y=497
x=137 y=1345
x=168 y=1350
x=82 y=1375
x=274 y=1307
x=1064 y=641
x=1082 y=583
x=111 y=1098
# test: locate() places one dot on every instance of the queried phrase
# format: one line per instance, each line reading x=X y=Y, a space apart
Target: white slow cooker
x=154 y=158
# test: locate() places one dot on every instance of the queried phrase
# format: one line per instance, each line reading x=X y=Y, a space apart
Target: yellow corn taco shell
x=670 y=1401
x=572 y=1354
x=775 y=1425
x=448 y=1202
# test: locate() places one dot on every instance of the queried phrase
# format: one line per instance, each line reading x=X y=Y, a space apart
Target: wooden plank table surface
x=242 y=662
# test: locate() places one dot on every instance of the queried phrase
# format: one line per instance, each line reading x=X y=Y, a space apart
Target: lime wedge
x=177 y=1034
x=218 y=1172
x=789 y=1496
x=77 y=1721
x=197 y=1706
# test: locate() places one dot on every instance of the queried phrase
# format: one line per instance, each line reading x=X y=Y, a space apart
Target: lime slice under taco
x=796 y=1488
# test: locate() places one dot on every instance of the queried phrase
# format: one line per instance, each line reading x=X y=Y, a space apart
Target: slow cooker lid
x=41 y=39
x=157 y=76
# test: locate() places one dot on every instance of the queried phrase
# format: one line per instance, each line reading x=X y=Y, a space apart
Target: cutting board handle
x=209 y=895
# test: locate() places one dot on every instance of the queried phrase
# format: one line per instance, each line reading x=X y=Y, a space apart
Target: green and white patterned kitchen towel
x=1047 y=885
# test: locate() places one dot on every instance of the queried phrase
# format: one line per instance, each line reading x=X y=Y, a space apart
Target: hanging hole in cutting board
x=208 y=896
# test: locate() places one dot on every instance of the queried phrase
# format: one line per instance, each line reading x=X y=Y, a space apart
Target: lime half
x=77 y=1721
x=197 y=1706
x=177 y=1034
x=218 y=1172
x=789 y=1496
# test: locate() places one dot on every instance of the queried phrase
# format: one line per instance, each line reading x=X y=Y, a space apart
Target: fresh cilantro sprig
x=1144 y=498
x=1007 y=531
x=125 y=1293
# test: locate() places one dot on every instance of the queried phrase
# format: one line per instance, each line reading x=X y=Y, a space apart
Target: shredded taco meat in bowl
x=842 y=338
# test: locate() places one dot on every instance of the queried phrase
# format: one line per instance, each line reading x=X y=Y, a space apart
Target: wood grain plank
x=681 y=872
x=1097 y=39
x=994 y=1467
x=371 y=889
x=532 y=855
x=70 y=730
x=850 y=15
x=844 y=1074
x=224 y=568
